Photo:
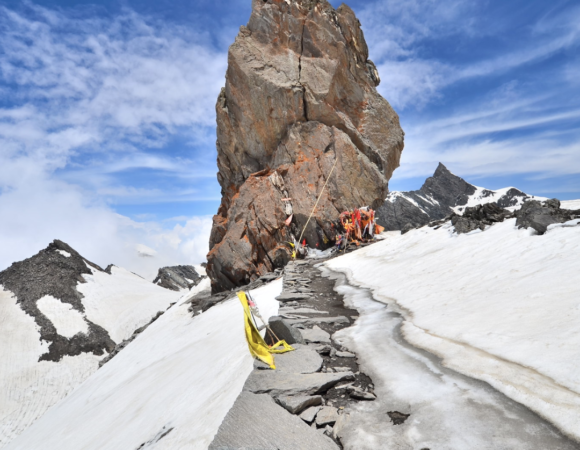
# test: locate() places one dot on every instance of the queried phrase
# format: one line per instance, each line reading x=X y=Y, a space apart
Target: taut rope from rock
x=317 y=200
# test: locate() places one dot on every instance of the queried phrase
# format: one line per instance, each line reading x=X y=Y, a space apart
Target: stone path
x=300 y=404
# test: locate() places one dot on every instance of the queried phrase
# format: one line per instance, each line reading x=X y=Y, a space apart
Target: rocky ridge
x=56 y=271
x=299 y=108
x=177 y=278
x=441 y=195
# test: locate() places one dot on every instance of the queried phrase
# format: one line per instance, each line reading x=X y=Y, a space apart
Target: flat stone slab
x=302 y=360
x=316 y=334
x=309 y=415
x=338 y=319
x=327 y=415
x=292 y=296
x=256 y=422
x=300 y=311
x=345 y=355
x=298 y=403
x=278 y=383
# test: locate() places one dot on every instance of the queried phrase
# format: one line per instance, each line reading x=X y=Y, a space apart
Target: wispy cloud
x=86 y=102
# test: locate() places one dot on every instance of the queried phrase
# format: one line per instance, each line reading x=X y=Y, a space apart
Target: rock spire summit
x=300 y=96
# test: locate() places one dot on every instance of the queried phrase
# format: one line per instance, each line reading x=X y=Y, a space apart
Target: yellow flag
x=258 y=347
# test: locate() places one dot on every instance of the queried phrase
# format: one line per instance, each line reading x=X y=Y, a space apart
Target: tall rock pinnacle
x=300 y=98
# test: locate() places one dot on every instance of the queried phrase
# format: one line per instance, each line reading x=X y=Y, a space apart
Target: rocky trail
x=304 y=398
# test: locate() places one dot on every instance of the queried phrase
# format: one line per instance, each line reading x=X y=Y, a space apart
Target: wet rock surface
x=56 y=271
x=177 y=278
x=299 y=108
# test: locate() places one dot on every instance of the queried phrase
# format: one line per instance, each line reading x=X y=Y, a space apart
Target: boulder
x=539 y=215
x=283 y=330
x=299 y=108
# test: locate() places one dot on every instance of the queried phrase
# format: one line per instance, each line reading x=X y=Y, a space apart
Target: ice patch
x=479 y=292
x=67 y=320
x=447 y=410
x=63 y=253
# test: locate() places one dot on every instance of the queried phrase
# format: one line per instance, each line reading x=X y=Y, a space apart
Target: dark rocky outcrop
x=300 y=107
x=435 y=200
x=55 y=271
x=539 y=215
x=177 y=277
x=478 y=217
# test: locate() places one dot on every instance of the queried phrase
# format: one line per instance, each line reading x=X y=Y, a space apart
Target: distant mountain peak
x=442 y=194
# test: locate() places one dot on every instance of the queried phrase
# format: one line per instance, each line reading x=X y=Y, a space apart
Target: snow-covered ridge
x=500 y=306
x=169 y=389
x=441 y=195
x=55 y=330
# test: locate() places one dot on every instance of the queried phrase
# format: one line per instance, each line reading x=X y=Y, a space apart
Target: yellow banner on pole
x=258 y=347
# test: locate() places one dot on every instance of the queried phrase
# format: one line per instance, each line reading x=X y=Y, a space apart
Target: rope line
x=317 y=200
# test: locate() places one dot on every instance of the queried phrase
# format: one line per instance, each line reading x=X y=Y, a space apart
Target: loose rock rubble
x=314 y=383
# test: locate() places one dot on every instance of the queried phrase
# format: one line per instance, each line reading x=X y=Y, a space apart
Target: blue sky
x=107 y=125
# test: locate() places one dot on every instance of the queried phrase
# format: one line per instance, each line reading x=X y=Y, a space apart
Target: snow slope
x=119 y=302
x=168 y=389
x=482 y=196
x=501 y=306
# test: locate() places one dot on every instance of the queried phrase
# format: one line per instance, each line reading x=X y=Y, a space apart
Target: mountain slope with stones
x=300 y=108
x=60 y=314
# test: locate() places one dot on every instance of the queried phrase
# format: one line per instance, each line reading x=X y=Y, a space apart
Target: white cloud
x=97 y=97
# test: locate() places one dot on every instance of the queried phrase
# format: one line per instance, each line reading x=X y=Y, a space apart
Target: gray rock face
x=247 y=426
x=300 y=102
x=434 y=201
x=284 y=330
x=177 y=277
x=55 y=271
x=297 y=404
x=278 y=383
x=538 y=215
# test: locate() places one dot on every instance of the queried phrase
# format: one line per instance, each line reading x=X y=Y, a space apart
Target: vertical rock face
x=299 y=102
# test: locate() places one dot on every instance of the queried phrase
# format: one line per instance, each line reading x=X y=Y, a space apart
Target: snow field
x=121 y=301
x=447 y=410
x=30 y=387
x=501 y=306
x=67 y=320
x=179 y=377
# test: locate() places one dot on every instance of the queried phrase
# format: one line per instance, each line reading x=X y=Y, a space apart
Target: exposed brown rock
x=299 y=99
